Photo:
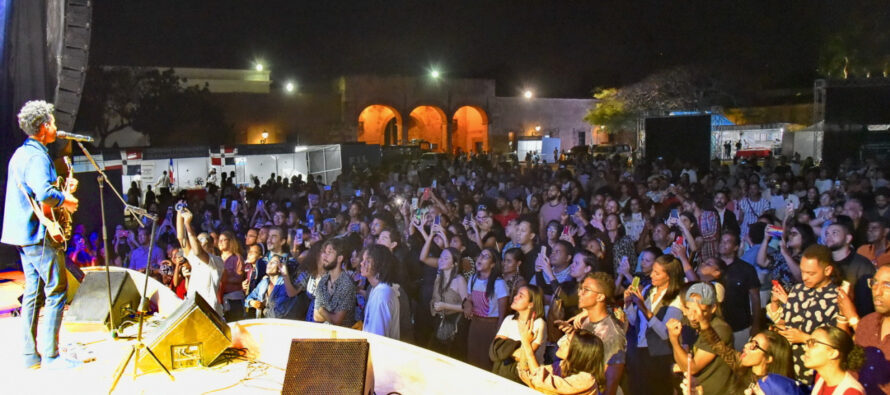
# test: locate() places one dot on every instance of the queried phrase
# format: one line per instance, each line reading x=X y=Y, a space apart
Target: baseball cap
x=708 y=298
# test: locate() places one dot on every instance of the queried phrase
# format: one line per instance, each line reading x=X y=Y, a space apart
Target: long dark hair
x=310 y=260
x=585 y=355
x=536 y=297
x=497 y=271
x=674 y=270
x=441 y=282
x=381 y=262
x=807 y=235
x=850 y=355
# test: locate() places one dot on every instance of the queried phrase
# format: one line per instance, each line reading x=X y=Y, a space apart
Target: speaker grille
x=326 y=366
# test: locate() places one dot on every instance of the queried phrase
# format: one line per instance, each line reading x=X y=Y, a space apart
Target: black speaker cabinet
x=193 y=335
x=89 y=309
x=328 y=366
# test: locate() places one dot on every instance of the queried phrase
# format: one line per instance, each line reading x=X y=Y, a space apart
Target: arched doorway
x=380 y=124
x=470 y=130
x=428 y=123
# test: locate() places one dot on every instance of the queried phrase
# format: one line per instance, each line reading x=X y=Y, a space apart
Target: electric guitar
x=56 y=220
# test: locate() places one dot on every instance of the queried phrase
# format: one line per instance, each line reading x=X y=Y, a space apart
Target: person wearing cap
x=711 y=373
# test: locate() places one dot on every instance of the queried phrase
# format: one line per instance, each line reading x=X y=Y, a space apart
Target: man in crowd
x=873 y=333
x=710 y=371
x=139 y=256
x=206 y=268
x=741 y=301
x=553 y=208
x=593 y=300
x=727 y=219
x=854 y=269
x=751 y=207
x=806 y=306
x=335 y=296
x=876 y=250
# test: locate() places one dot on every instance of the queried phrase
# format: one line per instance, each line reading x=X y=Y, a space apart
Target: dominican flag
x=131 y=160
x=223 y=156
x=170 y=171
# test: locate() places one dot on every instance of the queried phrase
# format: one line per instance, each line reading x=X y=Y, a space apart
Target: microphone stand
x=138 y=214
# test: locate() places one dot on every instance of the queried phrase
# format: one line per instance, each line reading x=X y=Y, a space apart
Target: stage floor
x=397 y=366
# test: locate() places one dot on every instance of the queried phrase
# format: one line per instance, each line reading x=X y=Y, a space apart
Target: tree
x=151 y=101
x=610 y=111
x=683 y=88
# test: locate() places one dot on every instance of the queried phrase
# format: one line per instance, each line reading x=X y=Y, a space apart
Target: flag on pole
x=170 y=171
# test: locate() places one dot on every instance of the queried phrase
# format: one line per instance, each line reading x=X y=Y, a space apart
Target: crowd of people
x=590 y=276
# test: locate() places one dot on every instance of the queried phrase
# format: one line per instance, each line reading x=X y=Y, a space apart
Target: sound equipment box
x=193 y=335
x=328 y=366
x=89 y=308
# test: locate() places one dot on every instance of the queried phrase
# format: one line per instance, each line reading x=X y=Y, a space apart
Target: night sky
x=559 y=49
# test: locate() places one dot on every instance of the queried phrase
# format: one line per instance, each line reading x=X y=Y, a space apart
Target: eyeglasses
x=583 y=290
x=752 y=345
x=812 y=342
x=879 y=287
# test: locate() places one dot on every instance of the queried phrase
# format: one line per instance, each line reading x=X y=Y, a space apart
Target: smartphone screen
x=299 y=237
x=358 y=193
x=327 y=187
x=566 y=231
x=438 y=220
x=675 y=213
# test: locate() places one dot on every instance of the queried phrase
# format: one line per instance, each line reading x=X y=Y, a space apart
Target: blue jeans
x=43 y=265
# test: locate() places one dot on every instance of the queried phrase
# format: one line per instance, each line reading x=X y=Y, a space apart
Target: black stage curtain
x=26 y=75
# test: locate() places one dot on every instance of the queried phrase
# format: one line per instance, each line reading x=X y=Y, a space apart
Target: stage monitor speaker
x=328 y=366
x=193 y=335
x=89 y=309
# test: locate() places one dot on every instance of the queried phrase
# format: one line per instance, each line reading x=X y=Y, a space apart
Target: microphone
x=75 y=137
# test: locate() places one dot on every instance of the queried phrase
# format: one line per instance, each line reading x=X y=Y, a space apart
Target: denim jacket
x=31 y=167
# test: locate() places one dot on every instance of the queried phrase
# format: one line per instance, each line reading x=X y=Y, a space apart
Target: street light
x=435 y=74
x=290 y=87
x=264 y=135
x=528 y=94
x=538 y=128
x=259 y=66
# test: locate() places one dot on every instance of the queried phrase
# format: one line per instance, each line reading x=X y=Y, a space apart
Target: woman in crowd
x=765 y=358
x=356 y=219
x=618 y=243
x=647 y=312
x=312 y=265
x=232 y=277
x=512 y=259
x=554 y=230
x=449 y=293
x=486 y=307
x=527 y=305
x=833 y=355
x=579 y=371
x=381 y=315
x=707 y=225
x=784 y=265
x=79 y=253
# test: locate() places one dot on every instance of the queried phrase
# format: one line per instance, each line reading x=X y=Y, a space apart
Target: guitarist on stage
x=43 y=262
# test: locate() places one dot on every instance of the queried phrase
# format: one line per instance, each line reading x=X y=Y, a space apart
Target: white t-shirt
x=510 y=329
x=205 y=278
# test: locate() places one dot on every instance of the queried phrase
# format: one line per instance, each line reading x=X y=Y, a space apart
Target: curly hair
x=33 y=114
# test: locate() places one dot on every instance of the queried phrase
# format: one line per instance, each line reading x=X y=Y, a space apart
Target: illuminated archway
x=470 y=130
x=428 y=123
x=380 y=124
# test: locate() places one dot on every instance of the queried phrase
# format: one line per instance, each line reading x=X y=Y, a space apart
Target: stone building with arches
x=451 y=114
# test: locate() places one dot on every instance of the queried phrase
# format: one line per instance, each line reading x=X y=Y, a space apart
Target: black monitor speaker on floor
x=89 y=308
x=328 y=366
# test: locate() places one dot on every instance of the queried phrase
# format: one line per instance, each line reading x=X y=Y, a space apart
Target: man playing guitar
x=31 y=176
